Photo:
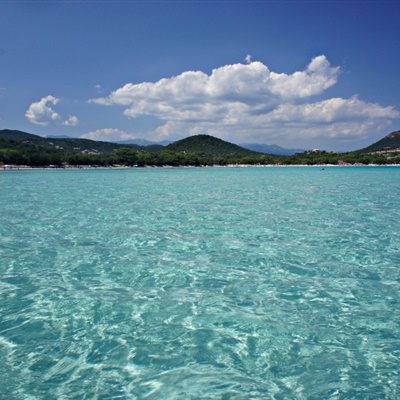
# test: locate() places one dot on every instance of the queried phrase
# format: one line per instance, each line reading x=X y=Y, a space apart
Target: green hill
x=209 y=146
x=74 y=145
x=390 y=142
x=19 y=136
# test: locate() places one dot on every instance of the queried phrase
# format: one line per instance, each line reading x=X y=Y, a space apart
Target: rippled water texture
x=207 y=283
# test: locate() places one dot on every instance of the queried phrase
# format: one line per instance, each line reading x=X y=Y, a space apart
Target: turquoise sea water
x=202 y=283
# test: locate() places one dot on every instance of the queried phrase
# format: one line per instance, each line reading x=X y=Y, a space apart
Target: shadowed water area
x=200 y=283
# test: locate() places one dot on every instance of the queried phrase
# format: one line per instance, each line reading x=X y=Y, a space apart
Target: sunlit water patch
x=203 y=283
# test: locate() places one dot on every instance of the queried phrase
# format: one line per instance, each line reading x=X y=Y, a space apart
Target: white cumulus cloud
x=318 y=76
x=188 y=94
x=42 y=113
x=248 y=102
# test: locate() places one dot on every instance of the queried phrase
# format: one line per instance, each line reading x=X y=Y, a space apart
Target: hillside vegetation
x=209 y=146
x=389 y=143
x=74 y=145
x=20 y=148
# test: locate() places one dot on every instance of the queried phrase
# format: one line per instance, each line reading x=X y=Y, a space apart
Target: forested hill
x=209 y=146
x=201 y=145
x=390 y=142
x=19 y=136
x=74 y=145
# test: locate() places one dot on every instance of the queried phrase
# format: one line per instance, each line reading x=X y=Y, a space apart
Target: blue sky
x=308 y=74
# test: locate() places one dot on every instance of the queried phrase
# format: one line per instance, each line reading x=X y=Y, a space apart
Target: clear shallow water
x=212 y=283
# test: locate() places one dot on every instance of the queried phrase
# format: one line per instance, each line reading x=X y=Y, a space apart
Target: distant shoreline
x=124 y=167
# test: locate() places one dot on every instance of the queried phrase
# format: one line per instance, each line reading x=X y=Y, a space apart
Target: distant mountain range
x=271 y=149
x=145 y=142
x=58 y=137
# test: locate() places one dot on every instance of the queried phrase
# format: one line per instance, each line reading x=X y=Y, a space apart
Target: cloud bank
x=42 y=113
x=248 y=102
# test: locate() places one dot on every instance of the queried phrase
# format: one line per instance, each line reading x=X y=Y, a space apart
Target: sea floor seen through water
x=200 y=283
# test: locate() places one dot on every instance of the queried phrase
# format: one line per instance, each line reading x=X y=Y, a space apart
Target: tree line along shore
x=131 y=158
